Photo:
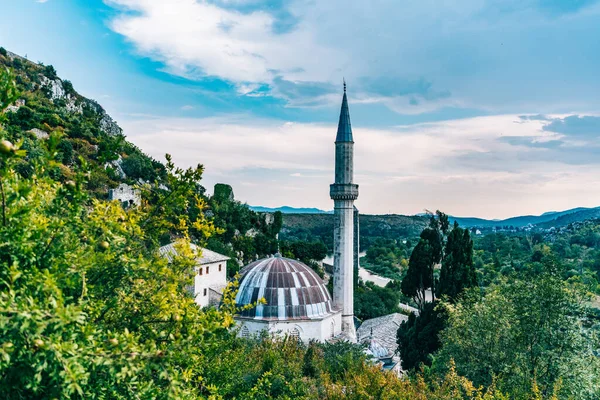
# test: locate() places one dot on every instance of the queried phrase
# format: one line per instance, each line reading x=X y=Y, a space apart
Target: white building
x=297 y=301
x=125 y=194
x=343 y=192
x=210 y=274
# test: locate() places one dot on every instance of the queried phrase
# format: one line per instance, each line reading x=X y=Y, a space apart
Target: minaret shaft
x=343 y=264
x=344 y=192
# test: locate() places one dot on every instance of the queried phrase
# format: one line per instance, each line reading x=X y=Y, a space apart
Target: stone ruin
x=126 y=194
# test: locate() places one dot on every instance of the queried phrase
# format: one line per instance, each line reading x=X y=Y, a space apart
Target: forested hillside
x=89 y=310
x=320 y=226
x=85 y=137
x=88 y=135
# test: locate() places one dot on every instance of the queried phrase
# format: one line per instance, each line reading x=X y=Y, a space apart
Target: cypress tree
x=458 y=271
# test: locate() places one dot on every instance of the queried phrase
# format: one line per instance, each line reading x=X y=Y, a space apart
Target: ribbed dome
x=291 y=289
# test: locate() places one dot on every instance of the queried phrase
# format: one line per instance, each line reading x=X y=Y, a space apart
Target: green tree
x=87 y=308
x=423 y=259
x=8 y=90
x=520 y=332
x=372 y=301
x=458 y=271
x=418 y=337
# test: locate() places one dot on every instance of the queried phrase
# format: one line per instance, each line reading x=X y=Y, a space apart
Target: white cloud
x=198 y=38
x=476 y=55
x=463 y=167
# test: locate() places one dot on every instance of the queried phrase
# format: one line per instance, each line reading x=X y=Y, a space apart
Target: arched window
x=332 y=328
x=245 y=332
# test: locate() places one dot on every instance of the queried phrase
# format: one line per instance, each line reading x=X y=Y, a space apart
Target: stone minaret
x=344 y=192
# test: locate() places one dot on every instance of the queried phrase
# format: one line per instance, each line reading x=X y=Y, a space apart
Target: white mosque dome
x=292 y=290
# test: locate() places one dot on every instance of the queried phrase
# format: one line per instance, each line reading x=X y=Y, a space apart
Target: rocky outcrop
x=109 y=126
x=40 y=134
x=116 y=165
x=55 y=88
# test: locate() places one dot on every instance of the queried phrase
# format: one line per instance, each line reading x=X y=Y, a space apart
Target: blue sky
x=479 y=107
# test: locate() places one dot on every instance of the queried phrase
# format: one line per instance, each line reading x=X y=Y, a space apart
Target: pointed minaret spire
x=343 y=192
x=344 y=132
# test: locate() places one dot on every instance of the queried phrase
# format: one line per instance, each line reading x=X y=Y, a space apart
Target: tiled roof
x=207 y=256
x=290 y=288
x=382 y=329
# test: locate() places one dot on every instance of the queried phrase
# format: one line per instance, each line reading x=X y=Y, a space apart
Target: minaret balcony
x=343 y=191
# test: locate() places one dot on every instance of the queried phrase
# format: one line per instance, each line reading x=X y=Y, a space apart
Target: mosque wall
x=306 y=330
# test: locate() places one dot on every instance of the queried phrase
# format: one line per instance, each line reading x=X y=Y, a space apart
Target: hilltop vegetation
x=311 y=227
x=89 y=310
x=88 y=139
x=47 y=104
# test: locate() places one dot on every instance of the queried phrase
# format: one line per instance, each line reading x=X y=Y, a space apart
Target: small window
x=200 y=271
x=205 y=291
x=332 y=328
x=206 y=270
x=219 y=267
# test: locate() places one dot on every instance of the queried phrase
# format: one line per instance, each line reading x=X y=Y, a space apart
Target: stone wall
x=125 y=194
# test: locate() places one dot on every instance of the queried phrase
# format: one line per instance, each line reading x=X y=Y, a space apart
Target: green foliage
x=8 y=89
x=250 y=234
x=304 y=251
x=50 y=72
x=423 y=259
x=386 y=257
x=372 y=301
x=523 y=332
x=223 y=192
x=137 y=167
x=418 y=337
x=88 y=310
x=457 y=271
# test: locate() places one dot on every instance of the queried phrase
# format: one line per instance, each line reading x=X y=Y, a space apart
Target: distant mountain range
x=545 y=220
x=289 y=210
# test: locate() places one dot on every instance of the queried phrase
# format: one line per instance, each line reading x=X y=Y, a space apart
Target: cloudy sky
x=484 y=108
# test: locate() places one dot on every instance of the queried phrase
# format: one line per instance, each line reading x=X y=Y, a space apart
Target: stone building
x=297 y=301
x=126 y=194
x=343 y=192
x=210 y=274
x=356 y=244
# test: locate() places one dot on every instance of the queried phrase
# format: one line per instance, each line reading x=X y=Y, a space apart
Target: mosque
x=297 y=302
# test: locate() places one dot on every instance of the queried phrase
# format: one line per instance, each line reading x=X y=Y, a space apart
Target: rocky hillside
x=47 y=104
